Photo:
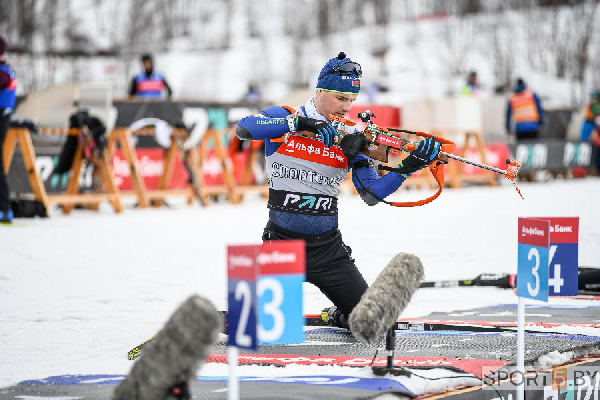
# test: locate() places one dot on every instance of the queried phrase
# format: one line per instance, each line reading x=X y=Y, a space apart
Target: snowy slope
x=426 y=57
x=77 y=292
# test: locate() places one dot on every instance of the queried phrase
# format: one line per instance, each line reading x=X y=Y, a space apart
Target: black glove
x=427 y=150
x=351 y=144
x=321 y=128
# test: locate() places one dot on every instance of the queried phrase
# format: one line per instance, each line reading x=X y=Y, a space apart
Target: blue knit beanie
x=331 y=81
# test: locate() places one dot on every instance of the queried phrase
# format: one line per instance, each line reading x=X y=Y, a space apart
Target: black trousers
x=329 y=265
x=4 y=193
x=527 y=135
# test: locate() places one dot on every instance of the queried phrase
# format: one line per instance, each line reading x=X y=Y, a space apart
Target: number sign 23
x=265 y=293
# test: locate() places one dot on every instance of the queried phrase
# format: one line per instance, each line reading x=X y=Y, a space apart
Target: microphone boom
x=382 y=303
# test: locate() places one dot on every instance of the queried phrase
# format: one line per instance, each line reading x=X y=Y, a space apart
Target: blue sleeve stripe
x=269 y=124
x=261 y=127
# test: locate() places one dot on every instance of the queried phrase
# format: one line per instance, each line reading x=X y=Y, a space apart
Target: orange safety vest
x=589 y=115
x=524 y=107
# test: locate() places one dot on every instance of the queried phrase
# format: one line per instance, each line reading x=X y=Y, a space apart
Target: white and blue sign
x=265 y=293
x=242 y=271
x=282 y=266
x=564 y=256
x=533 y=259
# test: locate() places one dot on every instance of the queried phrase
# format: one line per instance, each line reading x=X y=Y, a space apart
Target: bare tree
x=503 y=52
x=562 y=46
x=457 y=40
x=378 y=32
x=139 y=27
x=166 y=25
x=253 y=19
x=25 y=23
x=51 y=17
x=407 y=9
x=595 y=73
x=561 y=40
x=323 y=17
x=50 y=20
x=537 y=32
x=549 y=38
x=298 y=27
x=354 y=9
x=458 y=7
x=228 y=26
x=6 y=12
x=582 y=32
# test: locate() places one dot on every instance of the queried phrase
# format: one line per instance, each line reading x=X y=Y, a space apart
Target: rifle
x=505 y=281
x=589 y=281
x=381 y=142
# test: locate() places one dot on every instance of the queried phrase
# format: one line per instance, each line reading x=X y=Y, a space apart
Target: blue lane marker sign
x=242 y=272
x=532 y=271
x=265 y=293
x=282 y=266
x=563 y=273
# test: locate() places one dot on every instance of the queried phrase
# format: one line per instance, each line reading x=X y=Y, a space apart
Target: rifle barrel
x=480 y=165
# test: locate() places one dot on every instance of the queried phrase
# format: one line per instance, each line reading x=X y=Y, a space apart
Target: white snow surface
x=77 y=292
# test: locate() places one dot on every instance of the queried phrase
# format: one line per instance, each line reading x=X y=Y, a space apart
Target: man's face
x=147 y=65
x=338 y=104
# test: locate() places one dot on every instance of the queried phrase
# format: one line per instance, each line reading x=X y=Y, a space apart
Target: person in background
x=524 y=113
x=590 y=129
x=592 y=111
x=253 y=94
x=300 y=168
x=472 y=87
x=8 y=95
x=149 y=84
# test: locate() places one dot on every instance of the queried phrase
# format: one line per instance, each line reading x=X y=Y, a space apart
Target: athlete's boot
x=334 y=317
x=6 y=217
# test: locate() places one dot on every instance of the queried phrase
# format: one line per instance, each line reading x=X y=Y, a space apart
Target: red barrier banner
x=495 y=155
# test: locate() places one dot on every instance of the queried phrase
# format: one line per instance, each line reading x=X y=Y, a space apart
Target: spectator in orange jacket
x=524 y=114
x=592 y=111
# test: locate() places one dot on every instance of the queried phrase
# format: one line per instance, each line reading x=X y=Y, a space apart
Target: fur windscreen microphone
x=176 y=353
x=382 y=303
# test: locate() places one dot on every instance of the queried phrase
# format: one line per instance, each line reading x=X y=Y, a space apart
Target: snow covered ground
x=77 y=292
x=215 y=42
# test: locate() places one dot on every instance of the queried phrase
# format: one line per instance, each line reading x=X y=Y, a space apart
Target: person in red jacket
x=8 y=89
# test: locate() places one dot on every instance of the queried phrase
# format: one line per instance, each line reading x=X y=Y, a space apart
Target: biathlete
x=304 y=176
